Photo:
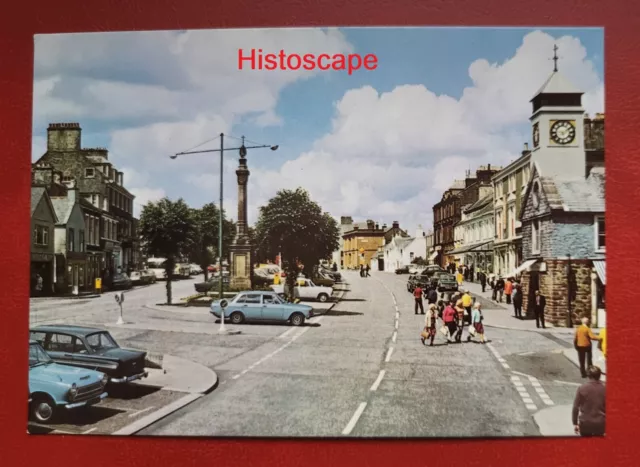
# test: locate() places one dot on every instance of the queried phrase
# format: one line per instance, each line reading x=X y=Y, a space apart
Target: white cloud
x=144 y=196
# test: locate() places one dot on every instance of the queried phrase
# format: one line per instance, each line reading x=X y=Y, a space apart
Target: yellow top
x=603 y=336
x=466 y=300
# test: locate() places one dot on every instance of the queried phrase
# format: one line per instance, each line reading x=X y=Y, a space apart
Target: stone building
x=563 y=226
x=361 y=244
x=476 y=230
x=402 y=251
x=101 y=186
x=43 y=221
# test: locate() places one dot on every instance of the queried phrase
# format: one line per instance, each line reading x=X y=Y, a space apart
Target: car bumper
x=128 y=379
x=93 y=401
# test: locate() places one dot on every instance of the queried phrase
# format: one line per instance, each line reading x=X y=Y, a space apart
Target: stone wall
x=64 y=137
x=554 y=286
x=73 y=164
x=546 y=237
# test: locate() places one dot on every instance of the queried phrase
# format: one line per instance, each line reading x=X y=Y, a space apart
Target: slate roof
x=404 y=242
x=482 y=202
x=36 y=195
x=577 y=195
x=557 y=84
x=63 y=207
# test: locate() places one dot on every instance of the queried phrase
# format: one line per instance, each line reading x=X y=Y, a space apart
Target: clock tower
x=557 y=124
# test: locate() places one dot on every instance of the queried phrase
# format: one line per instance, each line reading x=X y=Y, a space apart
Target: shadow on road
x=130 y=391
x=353 y=300
x=272 y=323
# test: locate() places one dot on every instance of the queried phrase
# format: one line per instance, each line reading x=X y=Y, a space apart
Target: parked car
x=411 y=283
x=444 y=282
x=403 y=270
x=324 y=280
x=53 y=387
x=211 y=284
x=142 y=277
x=306 y=290
x=194 y=269
x=261 y=306
x=416 y=268
x=91 y=348
x=121 y=281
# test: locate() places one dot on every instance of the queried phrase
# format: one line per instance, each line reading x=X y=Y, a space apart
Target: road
x=360 y=370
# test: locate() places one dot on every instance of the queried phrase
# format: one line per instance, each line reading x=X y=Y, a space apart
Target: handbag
x=444 y=330
x=472 y=330
x=424 y=334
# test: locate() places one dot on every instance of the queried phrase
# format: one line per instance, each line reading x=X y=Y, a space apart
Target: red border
x=21 y=20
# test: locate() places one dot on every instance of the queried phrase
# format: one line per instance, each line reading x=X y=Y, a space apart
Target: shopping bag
x=424 y=334
x=444 y=330
x=472 y=331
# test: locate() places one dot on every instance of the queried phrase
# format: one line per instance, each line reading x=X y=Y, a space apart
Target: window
x=81 y=241
x=89 y=172
x=94 y=200
x=71 y=240
x=512 y=218
x=101 y=340
x=60 y=343
x=499 y=224
x=67 y=178
x=536 y=237
x=600 y=233
x=41 y=235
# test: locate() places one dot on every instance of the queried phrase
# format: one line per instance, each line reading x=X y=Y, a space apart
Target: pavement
x=357 y=369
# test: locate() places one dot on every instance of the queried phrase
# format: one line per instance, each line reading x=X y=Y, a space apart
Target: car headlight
x=104 y=380
x=73 y=392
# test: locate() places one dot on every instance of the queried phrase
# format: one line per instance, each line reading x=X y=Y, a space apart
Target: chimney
x=377 y=226
x=489 y=167
x=72 y=193
x=384 y=226
x=63 y=137
x=395 y=225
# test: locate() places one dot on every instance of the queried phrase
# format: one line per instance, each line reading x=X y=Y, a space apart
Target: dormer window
x=89 y=172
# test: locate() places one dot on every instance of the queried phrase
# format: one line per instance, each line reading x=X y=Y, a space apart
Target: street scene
x=251 y=271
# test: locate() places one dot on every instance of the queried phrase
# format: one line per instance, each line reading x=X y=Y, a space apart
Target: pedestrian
x=517 y=300
x=589 y=410
x=432 y=296
x=467 y=302
x=477 y=328
x=538 y=308
x=430 y=325
x=602 y=345
x=39 y=284
x=494 y=289
x=449 y=318
x=500 y=285
x=459 y=278
x=460 y=315
x=483 y=280
x=362 y=270
x=466 y=274
x=417 y=295
x=583 y=345
x=367 y=269
x=508 y=289
x=472 y=271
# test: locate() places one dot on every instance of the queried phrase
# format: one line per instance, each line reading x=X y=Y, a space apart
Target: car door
x=251 y=306
x=60 y=347
x=272 y=308
x=306 y=289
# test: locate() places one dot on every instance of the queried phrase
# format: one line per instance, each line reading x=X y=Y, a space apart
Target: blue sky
x=364 y=145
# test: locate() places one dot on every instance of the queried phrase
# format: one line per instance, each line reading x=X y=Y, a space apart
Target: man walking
x=500 y=288
x=483 y=280
x=508 y=290
x=589 y=411
x=366 y=270
x=517 y=300
x=417 y=295
x=538 y=308
x=582 y=343
x=432 y=296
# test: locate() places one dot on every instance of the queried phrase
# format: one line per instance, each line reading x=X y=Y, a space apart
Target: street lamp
x=569 y=291
x=243 y=152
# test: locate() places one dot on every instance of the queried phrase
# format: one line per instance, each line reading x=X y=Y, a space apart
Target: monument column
x=241 y=247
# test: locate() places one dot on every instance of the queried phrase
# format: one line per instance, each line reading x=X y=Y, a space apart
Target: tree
x=293 y=225
x=205 y=246
x=168 y=230
x=419 y=260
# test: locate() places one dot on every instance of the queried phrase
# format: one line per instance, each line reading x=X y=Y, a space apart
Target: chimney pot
x=526 y=146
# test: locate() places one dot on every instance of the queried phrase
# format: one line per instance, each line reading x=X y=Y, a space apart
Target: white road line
x=389 y=352
x=286 y=333
x=566 y=382
x=395 y=335
x=515 y=380
x=396 y=324
x=140 y=411
x=531 y=406
x=91 y=430
x=378 y=380
x=540 y=390
x=352 y=423
x=397 y=315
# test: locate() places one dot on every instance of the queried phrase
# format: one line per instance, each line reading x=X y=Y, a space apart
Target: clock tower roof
x=557 y=84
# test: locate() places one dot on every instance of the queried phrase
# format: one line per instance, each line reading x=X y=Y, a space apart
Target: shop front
x=42 y=271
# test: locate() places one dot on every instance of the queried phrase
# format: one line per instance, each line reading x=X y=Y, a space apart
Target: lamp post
x=569 y=291
x=243 y=151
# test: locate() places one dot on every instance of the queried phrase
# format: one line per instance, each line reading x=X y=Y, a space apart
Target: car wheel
x=297 y=319
x=42 y=409
x=237 y=317
x=323 y=297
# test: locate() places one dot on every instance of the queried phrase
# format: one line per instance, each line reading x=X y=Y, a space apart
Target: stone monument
x=241 y=247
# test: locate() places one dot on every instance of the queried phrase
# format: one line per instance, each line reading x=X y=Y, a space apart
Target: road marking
x=397 y=315
x=540 y=390
x=140 y=411
x=396 y=324
x=352 y=423
x=91 y=430
x=526 y=353
x=389 y=352
x=397 y=310
x=566 y=382
x=378 y=380
x=286 y=333
x=395 y=335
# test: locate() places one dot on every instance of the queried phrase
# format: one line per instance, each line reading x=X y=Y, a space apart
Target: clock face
x=536 y=135
x=563 y=132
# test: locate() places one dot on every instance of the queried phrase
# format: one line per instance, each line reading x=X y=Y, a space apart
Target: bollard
x=120 y=300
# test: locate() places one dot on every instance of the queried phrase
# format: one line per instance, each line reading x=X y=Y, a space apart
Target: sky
x=378 y=144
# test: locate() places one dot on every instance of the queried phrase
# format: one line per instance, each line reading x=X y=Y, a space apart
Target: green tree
x=168 y=230
x=295 y=226
x=205 y=246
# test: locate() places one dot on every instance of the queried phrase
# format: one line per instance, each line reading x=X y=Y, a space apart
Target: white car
x=195 y=269
x=414 y=269
x=307 y=290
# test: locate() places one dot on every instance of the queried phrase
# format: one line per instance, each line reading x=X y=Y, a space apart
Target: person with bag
x=467 y=302
x=449 y=317
x=477 y=328
x=430 y=324
x=460 y=319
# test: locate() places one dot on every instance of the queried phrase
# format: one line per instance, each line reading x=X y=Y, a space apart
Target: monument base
x=240 y=267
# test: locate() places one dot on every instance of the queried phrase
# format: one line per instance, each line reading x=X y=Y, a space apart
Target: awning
x=523 y=267
x=474 y=247
x=433 y=256
x=601 y=270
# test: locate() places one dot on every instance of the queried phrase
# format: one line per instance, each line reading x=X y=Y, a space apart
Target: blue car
x=53 y=386
x=262 y=306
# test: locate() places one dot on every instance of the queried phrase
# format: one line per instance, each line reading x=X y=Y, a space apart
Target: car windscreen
x=37 y=355
x=101 y=341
